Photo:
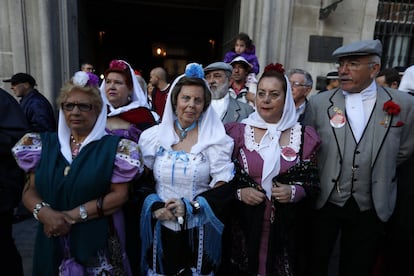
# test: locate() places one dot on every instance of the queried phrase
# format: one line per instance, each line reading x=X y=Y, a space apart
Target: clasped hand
x=56 y=223
x=252 y=196
x=281 y=192
x=172 y=210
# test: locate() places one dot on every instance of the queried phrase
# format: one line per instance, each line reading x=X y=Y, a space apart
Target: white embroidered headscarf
x=139 y=97
x=64 y=131
x=210 y=128
x=271 y=153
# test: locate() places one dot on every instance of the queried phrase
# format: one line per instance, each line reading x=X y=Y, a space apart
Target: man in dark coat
x=13 y=125
x=38 y=110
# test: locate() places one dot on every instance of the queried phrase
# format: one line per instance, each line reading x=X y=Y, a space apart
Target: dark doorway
x=182 y=30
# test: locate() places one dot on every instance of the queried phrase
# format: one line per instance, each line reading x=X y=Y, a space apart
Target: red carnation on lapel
x=391 y=108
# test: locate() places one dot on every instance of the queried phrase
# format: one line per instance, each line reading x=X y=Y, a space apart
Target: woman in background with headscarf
x=128 y=108
x=128 y=115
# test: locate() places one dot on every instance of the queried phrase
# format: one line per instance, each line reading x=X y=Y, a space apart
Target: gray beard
x=220 y=91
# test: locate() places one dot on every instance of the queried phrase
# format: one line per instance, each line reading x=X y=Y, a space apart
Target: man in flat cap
x=38 y=110
x=229 y=109
x=366 y=132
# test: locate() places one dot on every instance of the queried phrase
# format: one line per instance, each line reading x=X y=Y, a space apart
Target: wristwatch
x=83 y=213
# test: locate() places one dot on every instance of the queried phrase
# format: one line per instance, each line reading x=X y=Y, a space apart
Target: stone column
x=268 y=24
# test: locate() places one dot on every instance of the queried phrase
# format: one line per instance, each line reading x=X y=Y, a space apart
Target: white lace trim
x=294 y=141
x=129 y=151
x=295 y=138
x=249 y=139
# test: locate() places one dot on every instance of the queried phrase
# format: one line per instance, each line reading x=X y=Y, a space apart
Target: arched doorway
x=182 y=30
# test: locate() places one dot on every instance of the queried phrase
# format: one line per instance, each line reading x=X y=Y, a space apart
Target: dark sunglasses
x=82 y=106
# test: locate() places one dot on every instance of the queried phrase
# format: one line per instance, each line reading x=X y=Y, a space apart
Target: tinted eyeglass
x=84 y=107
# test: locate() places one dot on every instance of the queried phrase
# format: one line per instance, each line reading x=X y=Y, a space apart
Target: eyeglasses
x=297 y=84
x=352 y=65
x=84 y=107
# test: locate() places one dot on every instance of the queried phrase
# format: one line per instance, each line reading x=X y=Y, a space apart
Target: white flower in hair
x=80 y=78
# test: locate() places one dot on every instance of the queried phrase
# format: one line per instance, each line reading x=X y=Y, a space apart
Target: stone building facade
x=41 y=36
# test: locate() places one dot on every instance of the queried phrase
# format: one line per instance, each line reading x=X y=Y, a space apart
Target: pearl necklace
x=76 y=147
x=183 y=132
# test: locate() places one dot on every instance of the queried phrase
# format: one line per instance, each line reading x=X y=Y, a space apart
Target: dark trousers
x=11 y=261
x=360 y=235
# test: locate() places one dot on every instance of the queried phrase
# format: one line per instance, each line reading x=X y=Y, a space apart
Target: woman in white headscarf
x=189 y=154
x=78 y=182
x=267 y=143
x=128 y=115
x=128 y=107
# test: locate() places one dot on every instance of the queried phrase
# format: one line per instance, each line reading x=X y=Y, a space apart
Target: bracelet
x=37 y=208
x=196 y=206
x=293 y=193
x=239 y=194
x=99 y=206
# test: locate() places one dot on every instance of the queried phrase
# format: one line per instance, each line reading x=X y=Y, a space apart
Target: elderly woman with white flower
x=190 y=156
x=77 y=184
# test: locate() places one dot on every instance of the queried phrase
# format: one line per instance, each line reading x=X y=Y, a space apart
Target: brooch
x=66 y=171
x=338 y=119
x=288 y=154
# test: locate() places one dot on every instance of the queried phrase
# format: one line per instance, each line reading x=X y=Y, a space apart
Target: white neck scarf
x=358 y=108
x=271 y=153
x=355 y=113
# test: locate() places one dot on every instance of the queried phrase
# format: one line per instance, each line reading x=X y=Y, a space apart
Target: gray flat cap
x=218 y=66
x=359 y=48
